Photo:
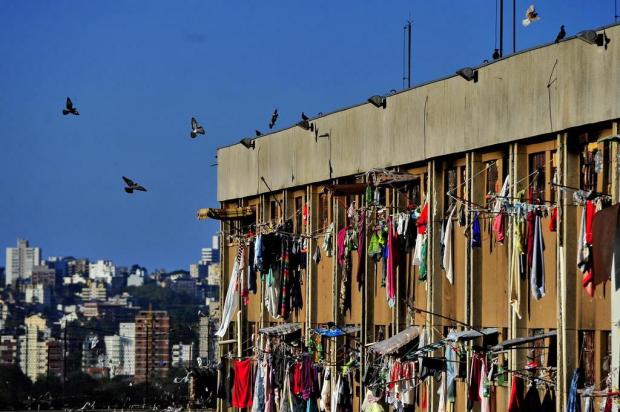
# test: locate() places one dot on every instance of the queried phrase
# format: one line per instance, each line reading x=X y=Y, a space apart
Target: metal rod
x=409 y=54
x=501 y=28
x=514 y=26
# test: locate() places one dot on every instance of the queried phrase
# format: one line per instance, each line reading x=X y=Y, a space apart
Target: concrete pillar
x=615 y=286
x=566 y=271
x=476 y=186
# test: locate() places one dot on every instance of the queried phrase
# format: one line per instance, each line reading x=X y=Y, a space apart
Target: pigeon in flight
x=258 y=133
x=274 y=117
x=530 y=15
x=561 y=34
x=70 y=108
x=131 y=185
x=196 y=129
x=304 y=117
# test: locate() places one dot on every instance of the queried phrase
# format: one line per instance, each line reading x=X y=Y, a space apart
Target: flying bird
x=70 y=108
x=561 y=34
x=258 y=133
x=196 y=128
x=131 y=185
x=274 y=117
x=304 y=117
x=530 y=15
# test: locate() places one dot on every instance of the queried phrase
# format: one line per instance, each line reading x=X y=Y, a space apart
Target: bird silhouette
x=196 y=128
x=274 y=117
x=304 y=117
x=131 y=185
x=561 y=34
x=530 y=15
x=70 y=109
x=258 y=133
x=496 y=54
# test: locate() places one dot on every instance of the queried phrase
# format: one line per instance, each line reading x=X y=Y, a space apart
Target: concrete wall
x=510 y=101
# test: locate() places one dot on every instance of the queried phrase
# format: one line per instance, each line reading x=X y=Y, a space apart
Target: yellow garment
x=517 y=251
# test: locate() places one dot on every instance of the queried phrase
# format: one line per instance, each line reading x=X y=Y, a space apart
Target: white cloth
x=417 y=252
x=538 y=262
x=335 y=393
x=232 y=298
x=447 y=249
x=271 y=293
x=328 y=240
x=485 y=404
x=325 y=402
x=441 y=407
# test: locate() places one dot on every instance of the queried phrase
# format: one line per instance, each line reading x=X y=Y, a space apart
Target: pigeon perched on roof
x=304 y=117
x=561 y=34
x=258 y=133
x=131 y=185
x=196 y=128
x=70 y=109
x=274 y=117
x=496 y=54
x=530 y=15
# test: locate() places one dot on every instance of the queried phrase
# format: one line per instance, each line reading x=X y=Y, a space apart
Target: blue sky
x=139 y=70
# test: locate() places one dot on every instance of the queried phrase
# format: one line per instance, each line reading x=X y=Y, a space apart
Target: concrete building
x=94 y=291
x=542 y=116
x=136 y=277
x=55 y=360
x=33 y=347
x=183 y=355
x=8 y=350
x=207 y=340
x=211 y=254
x=127 y=333
x=102 y=270
x=38 y=294
x=93 y=356
x=114 y=355
x=152 y=344
x=42 y=274
x=20 y=261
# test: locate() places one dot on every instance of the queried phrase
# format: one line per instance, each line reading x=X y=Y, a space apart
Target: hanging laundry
x=325 y=402
x=553 y=221
x=371 y=403
x=574 y=400
x=462 y=218
x=252 y=287
x=473 y=380
x=316 y=257
x=604 y=228
x=448 y=249
x=451 y=373
x=390 y=280
x=476 y=235
x=537 y=271
x=422 y=219
x=584 y=255
x=284 y=295
x=258 y=254
x=232 y=295
x=516 y=402
x=361 y=248
x=271 y=292
x=532 y=399
x=258 y=401
x=328 y=240
x=368 y=195
x=423 y=254
x=548 y=403
x=499 y=228
x=242 y=389
x=484 y=387
x=531 y=231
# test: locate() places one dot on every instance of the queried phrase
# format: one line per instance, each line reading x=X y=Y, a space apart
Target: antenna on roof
x=407 y=33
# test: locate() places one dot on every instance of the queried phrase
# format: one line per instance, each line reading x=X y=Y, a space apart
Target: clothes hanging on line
x=537 y=271
x=242 y=388
x=231 y=302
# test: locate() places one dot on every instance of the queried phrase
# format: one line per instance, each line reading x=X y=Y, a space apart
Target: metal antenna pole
x=514 y=26
x=409 y=54
x=501 y=28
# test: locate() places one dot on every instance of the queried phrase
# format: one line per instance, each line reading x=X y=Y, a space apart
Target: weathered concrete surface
x=510 y=101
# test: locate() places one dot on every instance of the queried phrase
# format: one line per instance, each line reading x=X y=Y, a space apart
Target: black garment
x=221 y=380
x=251 y=269
x=532 y=399
x=230 y=382
x=345 y=401
x=432 y=366
x=271 y=250
x=548 y=403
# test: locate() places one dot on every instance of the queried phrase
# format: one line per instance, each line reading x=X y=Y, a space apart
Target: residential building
x=55 y=360
x=102 y=270
x=199 y=270
x=38 y=294
x=78 y=267
x=44 y=275
x=468 y=156
x=136 y=277
x=93 y=355
x=183 y=355
x=33 y=347
x=207 y=340
x=183 y=284
x=114 y=355
x=152 y=344
x=127 y=333
x=8 y=350
x=20 y=261
x=211 y=254
x=94 y=291
x=59 y=265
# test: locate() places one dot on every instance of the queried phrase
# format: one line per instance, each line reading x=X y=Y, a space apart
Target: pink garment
x=423 y=219
x=499 y=228
x=342 y=235
x=390 y=281
x=485 y=404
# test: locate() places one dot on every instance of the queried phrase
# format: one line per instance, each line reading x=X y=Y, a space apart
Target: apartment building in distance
x=537 y=131
x=152 y=344
x=20 y=261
